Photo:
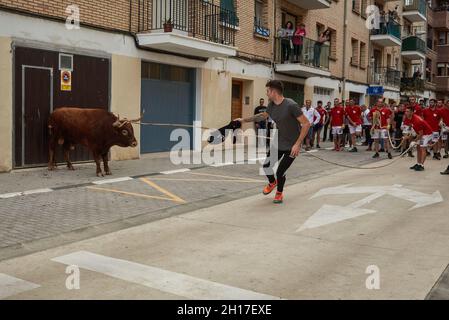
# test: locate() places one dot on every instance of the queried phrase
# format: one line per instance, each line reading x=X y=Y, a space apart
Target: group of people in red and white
x=429 y=128
x=385 y=127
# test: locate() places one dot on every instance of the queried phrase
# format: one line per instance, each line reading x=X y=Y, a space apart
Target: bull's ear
x=117 y=124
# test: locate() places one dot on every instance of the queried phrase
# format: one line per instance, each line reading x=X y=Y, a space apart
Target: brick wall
x=246 y=40
x=111 y=14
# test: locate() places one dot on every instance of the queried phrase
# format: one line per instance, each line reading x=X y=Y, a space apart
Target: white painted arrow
x=329 y=214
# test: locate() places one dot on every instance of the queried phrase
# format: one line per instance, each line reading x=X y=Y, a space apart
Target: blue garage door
x=167 y=97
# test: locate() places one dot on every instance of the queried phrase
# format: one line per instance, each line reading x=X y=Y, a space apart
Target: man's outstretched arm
x=256 y=118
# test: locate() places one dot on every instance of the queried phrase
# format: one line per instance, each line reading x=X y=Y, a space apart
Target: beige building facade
x=204 y=61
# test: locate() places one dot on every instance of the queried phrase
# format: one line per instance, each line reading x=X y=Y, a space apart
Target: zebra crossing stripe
x=171 y=282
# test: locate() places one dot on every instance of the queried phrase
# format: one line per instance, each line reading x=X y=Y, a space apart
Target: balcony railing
x=303 y=51
x=260 y=28
x=412 y=84
x=197 y=18
x=414 y=44
x=384 y=76
x=416 y=5
x=390 y=29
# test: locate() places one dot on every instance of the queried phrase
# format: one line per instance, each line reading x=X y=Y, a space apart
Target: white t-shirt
x=365 y=116
x=312 y=115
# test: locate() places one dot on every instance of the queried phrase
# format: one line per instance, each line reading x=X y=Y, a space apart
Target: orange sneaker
x=279 y=198
x=269 y=188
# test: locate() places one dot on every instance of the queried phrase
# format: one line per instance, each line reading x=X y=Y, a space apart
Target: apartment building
x=437 y=66
x=179 y=61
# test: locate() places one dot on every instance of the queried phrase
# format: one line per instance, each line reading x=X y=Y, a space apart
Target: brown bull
x=97 y=129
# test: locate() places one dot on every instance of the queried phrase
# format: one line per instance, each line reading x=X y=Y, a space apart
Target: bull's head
x=125 y=132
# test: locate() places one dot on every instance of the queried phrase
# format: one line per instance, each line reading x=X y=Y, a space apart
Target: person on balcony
x=322 y=39
x=286 y=35
x=298 y=42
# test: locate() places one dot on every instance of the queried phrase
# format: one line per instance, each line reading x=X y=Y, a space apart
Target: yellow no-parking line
x=228 y=178
x=170 y=196
x=164 y=191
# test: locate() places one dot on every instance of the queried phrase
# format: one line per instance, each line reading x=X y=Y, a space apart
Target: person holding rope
x=354 y=115
x=293 y=126
x=417 y=109
x=381 y=116
x=423 y=135
x=433 y=117
x=337 y=120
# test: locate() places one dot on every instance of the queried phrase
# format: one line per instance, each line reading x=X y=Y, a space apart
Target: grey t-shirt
x=285 y=116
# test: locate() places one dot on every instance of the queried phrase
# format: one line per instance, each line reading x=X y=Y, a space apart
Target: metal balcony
x=306 y=60
x=195 y=27
x=415 y=10
x=414 y=48
x=412 y=85
x=388 y=35
x=384 y=76
x=311 y=4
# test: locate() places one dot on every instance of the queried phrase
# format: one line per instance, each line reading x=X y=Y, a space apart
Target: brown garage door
x=90 y=89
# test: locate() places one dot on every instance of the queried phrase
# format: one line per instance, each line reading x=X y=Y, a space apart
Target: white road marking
x=10 y=286
x=38 y=191
x=175 y=171
x=24 y=193
x=312 y=151
x=109 y=181
x=217 y=165
x=329 y=214
x=10 y=195
x=174 y=283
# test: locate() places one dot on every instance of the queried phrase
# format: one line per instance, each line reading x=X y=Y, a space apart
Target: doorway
x=237 y=100
x=37 y=105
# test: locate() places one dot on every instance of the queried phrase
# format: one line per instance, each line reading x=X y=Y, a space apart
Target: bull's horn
x=136 y=120
x=139 y=119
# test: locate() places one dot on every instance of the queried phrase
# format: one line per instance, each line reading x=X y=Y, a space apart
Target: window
x=363 y=7
x=355 y=52
x=442 y=38
x=228 y=13
x=319 y=29
x=333 y=48
x=443 y=69
x=260 y=21
x=65 y=62
x=356 y=6
x=323 y=91
x=362 y=55
x=157 y=71
x=259 y=9
x=429 y=70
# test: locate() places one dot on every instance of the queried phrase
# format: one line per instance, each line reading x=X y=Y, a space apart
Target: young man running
x=433 y=117
x=337 y=120
x=292 y=127
x=423 y=136
x=354 y=115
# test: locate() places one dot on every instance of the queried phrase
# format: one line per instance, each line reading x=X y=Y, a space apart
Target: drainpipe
x=273 y=64
x=345 y=33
